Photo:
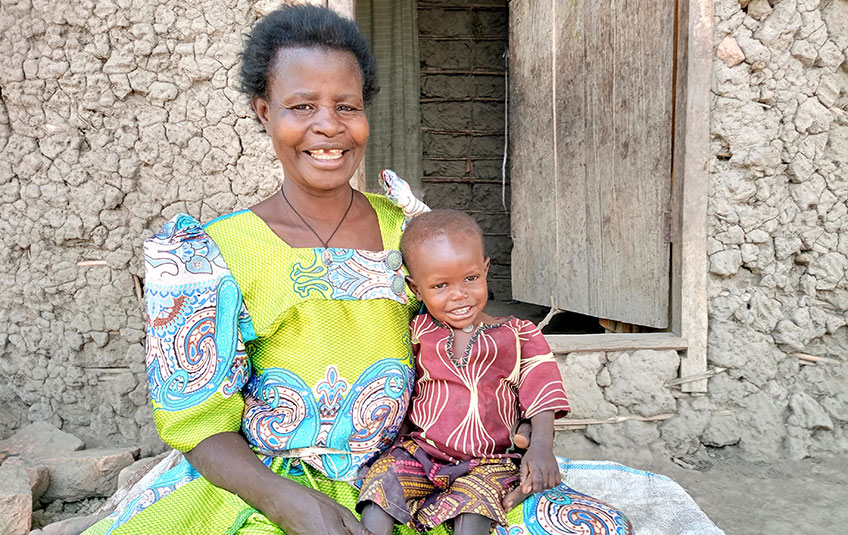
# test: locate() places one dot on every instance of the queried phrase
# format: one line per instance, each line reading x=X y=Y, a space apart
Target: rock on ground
x=87 y=473
x=15 y=499
x=39 y=439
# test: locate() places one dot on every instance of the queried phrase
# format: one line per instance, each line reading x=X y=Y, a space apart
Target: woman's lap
x=557 y=511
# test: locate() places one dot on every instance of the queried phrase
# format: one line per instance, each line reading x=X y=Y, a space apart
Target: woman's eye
x=346 y=108
x=302 y=107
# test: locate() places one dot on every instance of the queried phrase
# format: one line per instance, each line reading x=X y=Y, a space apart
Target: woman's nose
x=327 y=122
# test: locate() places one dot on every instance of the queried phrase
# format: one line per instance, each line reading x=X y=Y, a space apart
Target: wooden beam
x=573 y=343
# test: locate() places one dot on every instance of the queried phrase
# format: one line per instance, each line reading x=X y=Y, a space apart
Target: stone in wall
x=637 y=381
x=584 y=389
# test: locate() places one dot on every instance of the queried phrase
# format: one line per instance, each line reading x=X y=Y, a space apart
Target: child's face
x=449 y=273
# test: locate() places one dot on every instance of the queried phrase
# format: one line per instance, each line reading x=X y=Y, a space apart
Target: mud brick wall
x=461 y=45
x=778 y=226
x=116 y=115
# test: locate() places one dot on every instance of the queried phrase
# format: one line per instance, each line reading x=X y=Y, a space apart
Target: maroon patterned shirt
x=466 y=404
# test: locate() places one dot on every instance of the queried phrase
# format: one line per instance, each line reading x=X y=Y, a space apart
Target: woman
x=278 y=342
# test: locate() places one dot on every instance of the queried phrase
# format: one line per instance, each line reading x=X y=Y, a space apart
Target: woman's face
x=315 y=116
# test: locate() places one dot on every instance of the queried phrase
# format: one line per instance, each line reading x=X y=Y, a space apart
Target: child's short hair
x=437 y=223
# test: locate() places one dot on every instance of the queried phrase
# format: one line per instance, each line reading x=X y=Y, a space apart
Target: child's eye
x=438 y=286
x=472 y=278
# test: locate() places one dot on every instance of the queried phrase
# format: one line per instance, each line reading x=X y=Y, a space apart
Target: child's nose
x=459 y=293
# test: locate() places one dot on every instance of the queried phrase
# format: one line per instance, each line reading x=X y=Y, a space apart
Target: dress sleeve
x=399 y=192
x=540 y=383
x=196 y=325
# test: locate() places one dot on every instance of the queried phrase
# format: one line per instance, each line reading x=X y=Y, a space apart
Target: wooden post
x=691 y=182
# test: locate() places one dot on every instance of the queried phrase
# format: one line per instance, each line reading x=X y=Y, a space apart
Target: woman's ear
x=262 y=109
x=414 y=287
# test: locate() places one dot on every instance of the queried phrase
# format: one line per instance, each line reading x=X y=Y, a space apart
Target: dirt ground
x=754 y=498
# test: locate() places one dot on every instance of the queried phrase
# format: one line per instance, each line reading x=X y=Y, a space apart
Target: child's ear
x=414 y=287
x=486 y=264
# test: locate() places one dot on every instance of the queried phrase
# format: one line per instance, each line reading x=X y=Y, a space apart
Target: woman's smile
x=326 y=154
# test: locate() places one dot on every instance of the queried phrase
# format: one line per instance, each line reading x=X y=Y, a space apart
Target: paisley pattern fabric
x=305 y=351
x=401 y=194
x=194 y=352
x=565 y=511
x=348 y=274
x=335 y=404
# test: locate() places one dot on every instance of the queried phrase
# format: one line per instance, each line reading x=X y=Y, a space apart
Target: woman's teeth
x=326 y=154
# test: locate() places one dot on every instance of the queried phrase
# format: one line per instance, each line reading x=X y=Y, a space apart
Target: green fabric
x=300 y=325
x=201 y=508
x=290 y=306
x=185 y=429
x=391 y=27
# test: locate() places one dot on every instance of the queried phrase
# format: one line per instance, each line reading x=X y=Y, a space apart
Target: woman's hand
x=306 y=511
x=227 y=461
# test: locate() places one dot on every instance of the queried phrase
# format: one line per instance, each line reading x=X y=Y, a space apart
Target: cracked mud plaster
x=115 y=115
x=778 y=227
x=118 y=114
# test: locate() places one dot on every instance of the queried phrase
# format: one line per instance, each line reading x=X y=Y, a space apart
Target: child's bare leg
x=376 y=520
x=472 y=524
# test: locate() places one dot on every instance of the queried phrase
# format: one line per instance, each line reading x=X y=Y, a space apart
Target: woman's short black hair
x=302 y=26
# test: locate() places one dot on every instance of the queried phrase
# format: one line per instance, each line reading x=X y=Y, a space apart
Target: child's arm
x=521 y=437
x=539 y=469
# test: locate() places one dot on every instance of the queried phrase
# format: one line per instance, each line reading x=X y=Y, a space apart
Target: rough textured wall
x=628 y=387
x=778 y=259
x=116 y=115
x=461 y=44
x=778 y=235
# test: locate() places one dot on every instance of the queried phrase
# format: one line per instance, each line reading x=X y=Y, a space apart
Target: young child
x=476 y=376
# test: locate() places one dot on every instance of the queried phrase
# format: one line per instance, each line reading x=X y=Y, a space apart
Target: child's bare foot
x=514 y=498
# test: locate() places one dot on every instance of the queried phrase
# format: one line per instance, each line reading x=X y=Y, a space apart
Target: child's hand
x=539 y=470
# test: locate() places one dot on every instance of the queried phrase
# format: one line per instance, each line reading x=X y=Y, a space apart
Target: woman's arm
x=226 y=461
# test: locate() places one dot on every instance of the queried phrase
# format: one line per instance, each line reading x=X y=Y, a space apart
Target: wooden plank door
x=591 y=100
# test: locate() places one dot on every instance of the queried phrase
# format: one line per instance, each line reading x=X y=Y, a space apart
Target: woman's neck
x=316 y=205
